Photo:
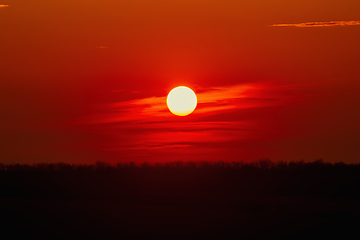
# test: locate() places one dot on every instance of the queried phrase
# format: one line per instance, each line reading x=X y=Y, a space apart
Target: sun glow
x=181 y=101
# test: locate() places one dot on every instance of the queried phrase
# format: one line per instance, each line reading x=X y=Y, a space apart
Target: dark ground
x=181 y=201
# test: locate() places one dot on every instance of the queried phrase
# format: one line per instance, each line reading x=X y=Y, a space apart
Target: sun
x=181 y=101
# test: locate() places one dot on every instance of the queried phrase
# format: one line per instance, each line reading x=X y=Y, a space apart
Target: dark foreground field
x=181 y=201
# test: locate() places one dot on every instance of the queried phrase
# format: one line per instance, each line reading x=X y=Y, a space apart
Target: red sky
x=82 y=81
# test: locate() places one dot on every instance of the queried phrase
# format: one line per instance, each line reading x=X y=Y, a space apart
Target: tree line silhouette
x=254 y=197
x=179 y=180
x=263 y=164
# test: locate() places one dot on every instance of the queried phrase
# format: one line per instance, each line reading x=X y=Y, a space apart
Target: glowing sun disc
x=181 y=101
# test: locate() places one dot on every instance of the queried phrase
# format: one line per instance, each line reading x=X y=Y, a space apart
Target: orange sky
x=82 y=81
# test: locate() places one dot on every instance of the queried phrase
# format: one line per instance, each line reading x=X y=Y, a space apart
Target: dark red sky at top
x=82 y=81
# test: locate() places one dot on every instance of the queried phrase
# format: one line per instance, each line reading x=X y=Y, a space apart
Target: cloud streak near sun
x=4 y=6
x=146 y=125
x=211 y=101
x=319 y=24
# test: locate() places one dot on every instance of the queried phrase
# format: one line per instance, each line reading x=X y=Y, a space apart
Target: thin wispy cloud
x=319 y=24
x=3 y=6
x=210 y=102
x=145 y=126
x=175 y=136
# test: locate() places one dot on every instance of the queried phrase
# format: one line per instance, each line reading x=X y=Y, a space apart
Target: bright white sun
x=181 y=101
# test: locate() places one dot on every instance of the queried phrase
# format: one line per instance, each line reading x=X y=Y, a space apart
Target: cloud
x=319 y=24
x=211 y=101
x=226 y=118
x=4 y=6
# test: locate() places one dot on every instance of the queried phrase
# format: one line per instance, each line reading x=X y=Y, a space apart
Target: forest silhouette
x=181 y=200
x=161 y=181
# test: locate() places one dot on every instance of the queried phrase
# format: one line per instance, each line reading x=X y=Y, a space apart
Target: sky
x=85 y=81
